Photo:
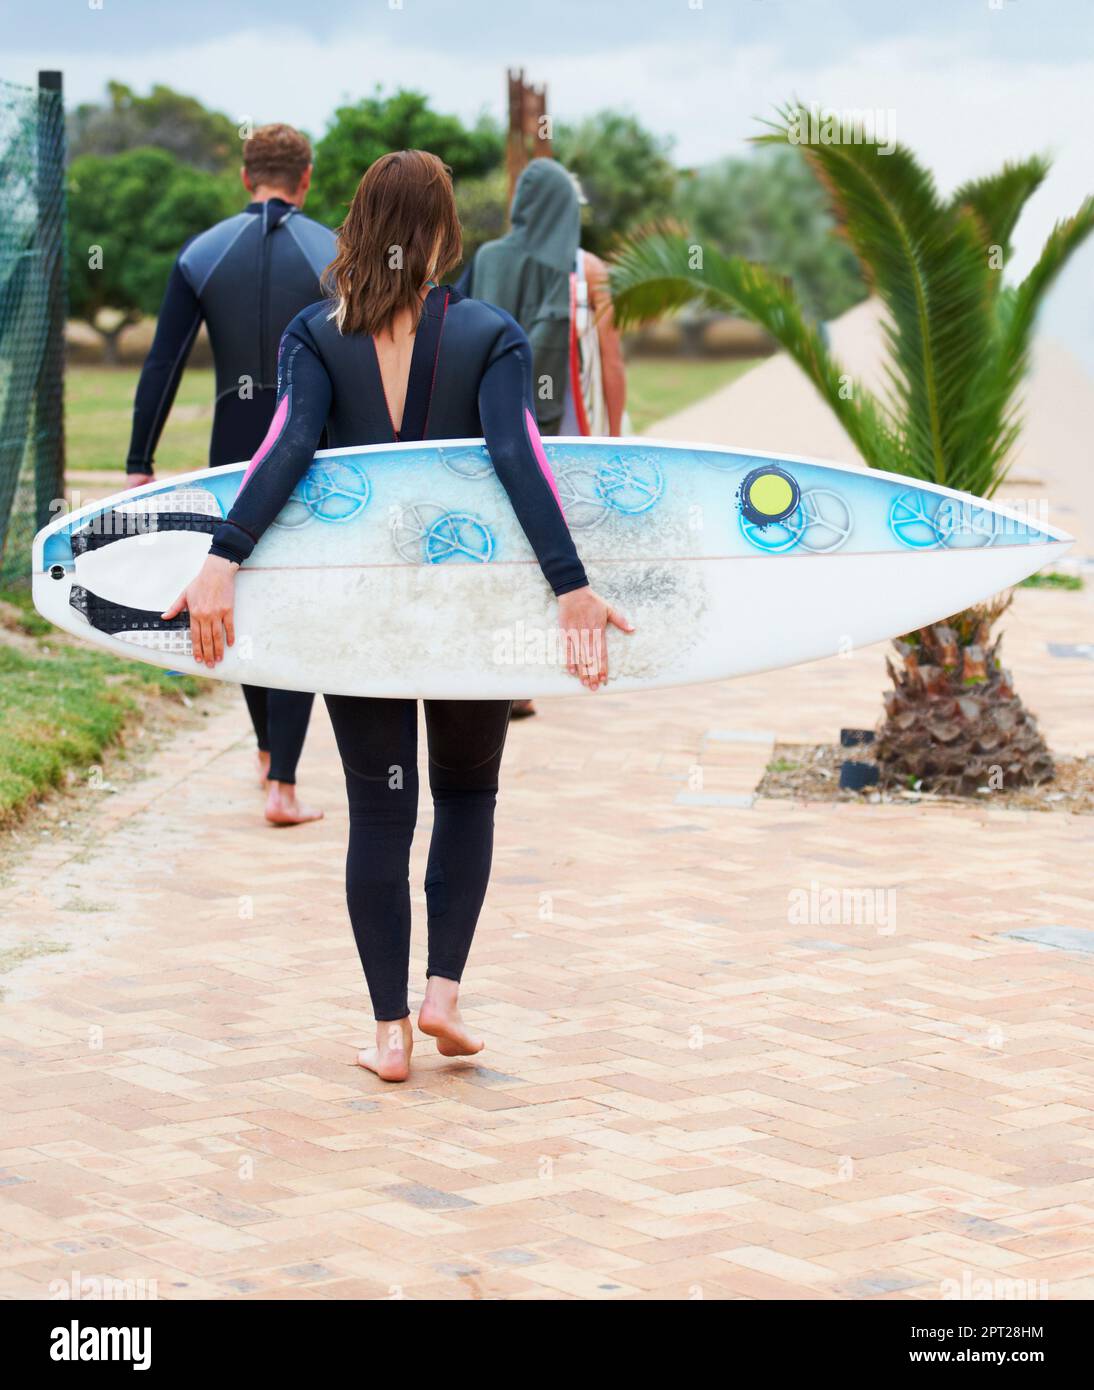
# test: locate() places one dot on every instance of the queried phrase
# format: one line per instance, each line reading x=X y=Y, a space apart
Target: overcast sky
x=967 y=83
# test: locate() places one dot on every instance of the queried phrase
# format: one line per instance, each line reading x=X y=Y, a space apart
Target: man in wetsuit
x=246 y=278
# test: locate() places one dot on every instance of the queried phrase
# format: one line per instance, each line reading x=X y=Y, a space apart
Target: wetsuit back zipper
x=263 y=295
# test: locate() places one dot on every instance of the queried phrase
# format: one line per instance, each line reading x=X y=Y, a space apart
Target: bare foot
x=262 y=760
x=440 y=1019
x=282 y=807
x=390 y=1058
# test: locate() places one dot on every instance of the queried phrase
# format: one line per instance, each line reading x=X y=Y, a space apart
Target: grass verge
x=62 y=705
x=99 y=406
x=1052 y=579
x=660 y=386
x=99 y=417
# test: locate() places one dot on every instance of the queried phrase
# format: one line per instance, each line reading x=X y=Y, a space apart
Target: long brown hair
x=401 y=229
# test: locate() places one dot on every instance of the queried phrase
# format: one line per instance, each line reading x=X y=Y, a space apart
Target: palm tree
x=958 y=342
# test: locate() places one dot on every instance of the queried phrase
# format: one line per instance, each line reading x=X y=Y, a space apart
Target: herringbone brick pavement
x=734 y=1051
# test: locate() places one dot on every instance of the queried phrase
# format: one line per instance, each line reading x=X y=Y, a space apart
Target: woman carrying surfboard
x=394 y=355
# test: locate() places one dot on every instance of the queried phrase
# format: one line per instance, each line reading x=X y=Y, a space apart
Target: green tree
x=360 y=134
x=165 y=119
x=128 y=215
x=483 y=206
x=625 y=171
x=958 y=347
x=770 y=209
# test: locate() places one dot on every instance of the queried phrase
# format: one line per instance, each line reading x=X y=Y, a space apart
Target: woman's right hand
x=210 y=599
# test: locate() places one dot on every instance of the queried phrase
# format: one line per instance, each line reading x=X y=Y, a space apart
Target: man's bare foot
x=390 y=1058
x=522 y=709
x=262 y=760
x=282 y=807
x=440 y=1019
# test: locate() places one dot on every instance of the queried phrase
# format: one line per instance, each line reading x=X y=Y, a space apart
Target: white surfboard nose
x=1014 y=519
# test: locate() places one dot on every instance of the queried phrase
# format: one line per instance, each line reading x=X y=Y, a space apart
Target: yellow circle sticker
x=770 y=494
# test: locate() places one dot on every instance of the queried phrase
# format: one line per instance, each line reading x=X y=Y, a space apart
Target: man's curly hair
x=276 y=155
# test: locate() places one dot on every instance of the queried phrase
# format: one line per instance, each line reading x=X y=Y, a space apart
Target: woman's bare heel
x=440 y=1019
x=390 y=1058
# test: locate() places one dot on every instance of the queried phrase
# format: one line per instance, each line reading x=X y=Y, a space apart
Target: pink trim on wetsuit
x=541 y=457
x=277 y=424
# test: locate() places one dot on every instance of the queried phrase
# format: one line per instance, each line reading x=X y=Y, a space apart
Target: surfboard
x=400 y=569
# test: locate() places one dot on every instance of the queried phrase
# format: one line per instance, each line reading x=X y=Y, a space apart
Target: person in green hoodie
x=559 y=295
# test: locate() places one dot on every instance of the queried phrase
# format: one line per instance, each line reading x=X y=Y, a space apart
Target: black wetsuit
x=246 y=277
x=470 y=375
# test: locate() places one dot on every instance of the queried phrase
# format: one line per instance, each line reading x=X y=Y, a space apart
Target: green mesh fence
x=32 y=316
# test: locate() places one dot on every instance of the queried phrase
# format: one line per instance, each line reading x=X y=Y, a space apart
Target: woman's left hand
x=584 y=618
x=210 y=600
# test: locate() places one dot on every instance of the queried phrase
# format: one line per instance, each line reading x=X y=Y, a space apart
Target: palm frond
x=998 y=199
x=925 y=262
x=1021 y=309
x=958 y=339
x=992 y=419
x=663 y=271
